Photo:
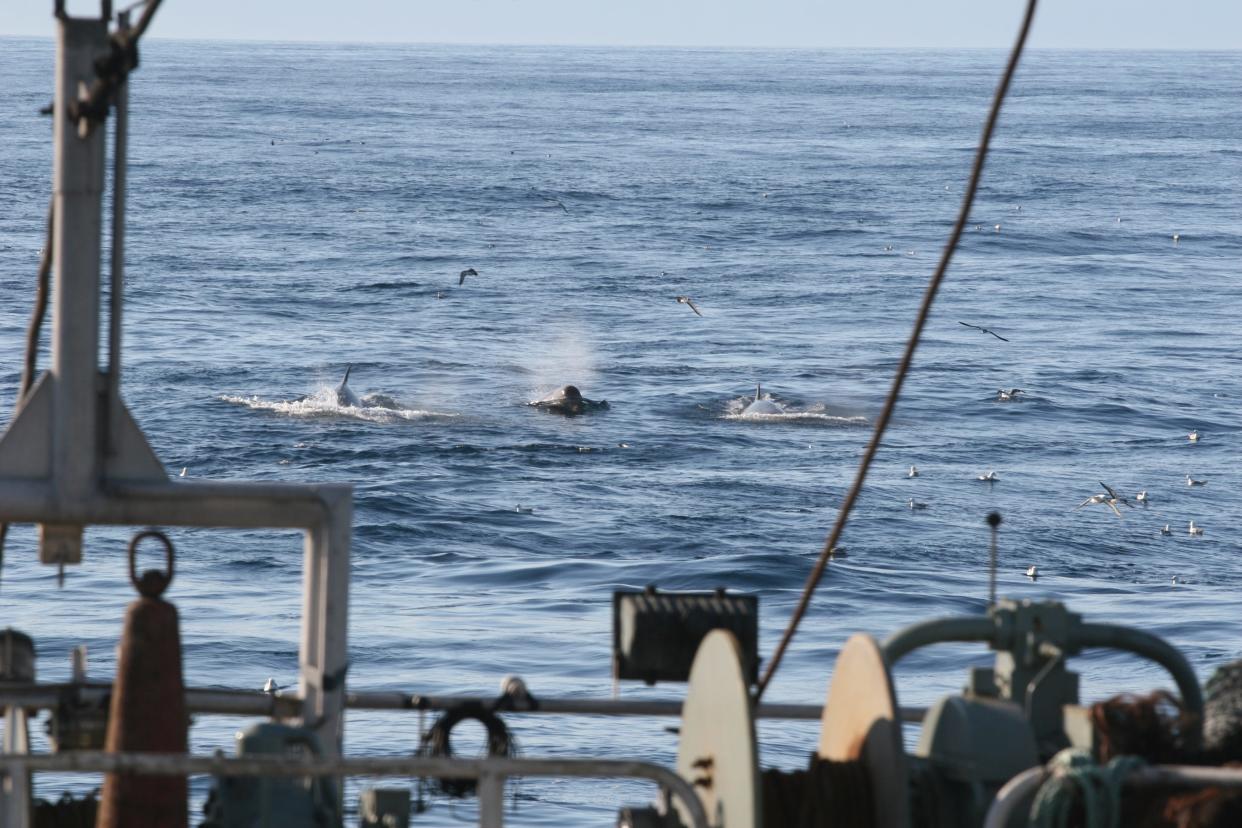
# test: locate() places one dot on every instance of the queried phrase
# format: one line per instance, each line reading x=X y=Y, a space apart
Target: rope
x=908 y=357
x=1081 y=792
x=438 y=742
x=827 y=794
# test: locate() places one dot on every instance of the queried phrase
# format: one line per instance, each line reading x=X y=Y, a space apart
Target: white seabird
x=990 y=477
x=1193 y=436
x=1032 y=572
x=1110 y=499
x=915 y=505
x=1190 y=481
x=914 y=472
x=1141 y=497
x=1177 y=237
x=1008 y=395
x=1195 y=530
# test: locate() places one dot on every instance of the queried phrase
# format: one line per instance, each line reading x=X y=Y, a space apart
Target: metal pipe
x=116 y=282
x=301 y=766
x=1019 y=790
x=936 y=631
x=1014 y=793
x=1151 y=647
x=237 y=702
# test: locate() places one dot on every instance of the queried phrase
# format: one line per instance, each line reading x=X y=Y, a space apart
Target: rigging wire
x=881 y=424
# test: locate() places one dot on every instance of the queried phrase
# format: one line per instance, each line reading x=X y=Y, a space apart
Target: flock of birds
x=1108 y=497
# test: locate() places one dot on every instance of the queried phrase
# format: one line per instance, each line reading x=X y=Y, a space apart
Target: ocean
x=296 y=209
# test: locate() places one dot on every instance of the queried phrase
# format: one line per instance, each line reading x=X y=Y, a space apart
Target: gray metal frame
x=73 y=456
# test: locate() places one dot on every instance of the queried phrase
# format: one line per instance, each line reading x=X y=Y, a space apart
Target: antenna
x=994 y=520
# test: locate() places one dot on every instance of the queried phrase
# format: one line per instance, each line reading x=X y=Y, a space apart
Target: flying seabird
x=470 y=271
x=985 y=330
x=1111 y=499
x=1190 y=481
x=1195 y=530
x=686 y=300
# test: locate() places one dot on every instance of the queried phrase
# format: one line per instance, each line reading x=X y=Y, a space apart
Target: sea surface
x=297 y=209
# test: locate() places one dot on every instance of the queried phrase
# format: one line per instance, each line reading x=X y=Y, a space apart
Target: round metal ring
x=153 y=582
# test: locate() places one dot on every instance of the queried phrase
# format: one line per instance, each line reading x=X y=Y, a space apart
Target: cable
x=907 y=358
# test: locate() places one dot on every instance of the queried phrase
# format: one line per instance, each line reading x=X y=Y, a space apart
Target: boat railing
x=491 y=773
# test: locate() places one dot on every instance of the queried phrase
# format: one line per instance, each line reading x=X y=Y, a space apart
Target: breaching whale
x=568 y=401
x=760 y=405
x=344 y=394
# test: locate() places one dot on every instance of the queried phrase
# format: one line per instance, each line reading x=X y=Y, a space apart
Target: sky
x=1092 y=24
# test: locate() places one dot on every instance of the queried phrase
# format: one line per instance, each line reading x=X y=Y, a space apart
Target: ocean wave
x=375 y=408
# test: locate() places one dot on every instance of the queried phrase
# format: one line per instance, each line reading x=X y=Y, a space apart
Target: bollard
x=148 y=705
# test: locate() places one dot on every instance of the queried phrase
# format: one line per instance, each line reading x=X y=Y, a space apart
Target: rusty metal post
x=148 y=706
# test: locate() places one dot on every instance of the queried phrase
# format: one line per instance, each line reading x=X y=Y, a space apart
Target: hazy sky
x=1101 y=24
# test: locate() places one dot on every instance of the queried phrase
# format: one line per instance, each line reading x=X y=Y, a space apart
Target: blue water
x=297 y=208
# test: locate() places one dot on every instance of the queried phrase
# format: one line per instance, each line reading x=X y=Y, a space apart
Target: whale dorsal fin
x=348 y=368
x=758 y=391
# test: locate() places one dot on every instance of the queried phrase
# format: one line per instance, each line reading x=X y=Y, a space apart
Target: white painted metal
x=491 y=794
x=716 y=751
x=15 y=789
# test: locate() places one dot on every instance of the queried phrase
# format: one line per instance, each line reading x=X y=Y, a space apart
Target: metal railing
x=491 y=773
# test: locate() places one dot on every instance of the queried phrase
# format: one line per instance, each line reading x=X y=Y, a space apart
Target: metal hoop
x=153 y=582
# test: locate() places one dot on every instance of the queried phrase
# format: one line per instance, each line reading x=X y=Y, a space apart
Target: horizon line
x=681 y=46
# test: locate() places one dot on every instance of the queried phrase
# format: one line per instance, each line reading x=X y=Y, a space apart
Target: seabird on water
x=1193 y=436
x=686 y=300
x=1165 y=530
x=1190 y=481
x=1032 y=572
x=1195 y=530
x=1177 y=237
x=1008 y=395
x=915 y=505
x=914 y=471
x=990 y=477
x=470 y=271
x=1141 y=497
x=985 y=330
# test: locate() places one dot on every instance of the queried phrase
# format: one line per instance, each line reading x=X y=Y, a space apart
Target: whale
x=568 y=400
x=345 y=395
x=760 y=405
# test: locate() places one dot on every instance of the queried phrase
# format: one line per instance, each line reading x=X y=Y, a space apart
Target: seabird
x=1177 y=237
x=990 y=477
x=1165 y=530
x=1193 y=436
x=1141 y=497
x=271 y=687
x=1111 y=499
x=915 y=505
x=184 y=469
x=1032 y=572
x=1008 y=396
x=470 y=271
x=985 y=330
x=914 y=471
x=838 y=552
x=1174 y=580
x=1190 y=481
x=686 y=300
x=997 y=228
x=1195 y=530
